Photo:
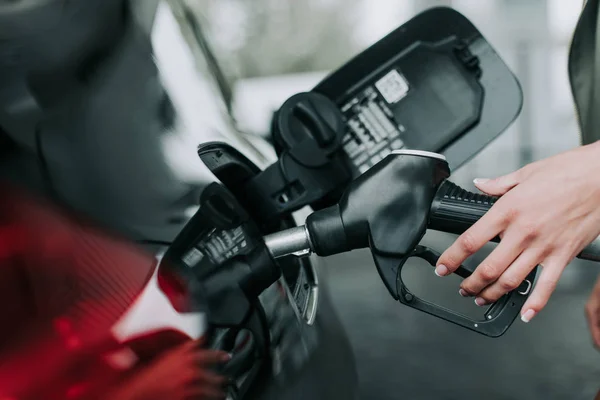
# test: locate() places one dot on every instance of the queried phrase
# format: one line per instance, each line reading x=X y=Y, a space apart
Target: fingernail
x=227 y=357
x=441 y=270
x=480 y=181
x=480 y=301
x=527 y=316
x=463 y=293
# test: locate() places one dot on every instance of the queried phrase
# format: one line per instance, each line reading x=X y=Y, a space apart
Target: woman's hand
x=549 y=211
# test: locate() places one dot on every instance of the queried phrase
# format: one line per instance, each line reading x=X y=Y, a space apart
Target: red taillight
x=65 y=330
x=76 y=391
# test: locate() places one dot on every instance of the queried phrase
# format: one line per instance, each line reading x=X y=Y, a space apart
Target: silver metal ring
x=526 y=291
x=421 y=153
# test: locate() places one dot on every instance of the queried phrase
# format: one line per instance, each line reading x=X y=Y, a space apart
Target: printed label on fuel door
x=393 y=87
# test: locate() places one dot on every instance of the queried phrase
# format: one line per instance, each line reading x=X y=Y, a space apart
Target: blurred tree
x=269 y=37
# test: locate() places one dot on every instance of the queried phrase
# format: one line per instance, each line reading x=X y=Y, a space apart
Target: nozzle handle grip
x=454 y=210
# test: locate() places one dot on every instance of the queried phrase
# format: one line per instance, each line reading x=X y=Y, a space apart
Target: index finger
x=471 y=241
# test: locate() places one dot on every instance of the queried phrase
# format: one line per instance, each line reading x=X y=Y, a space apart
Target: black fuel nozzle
x=389 y=208
x=386 y=208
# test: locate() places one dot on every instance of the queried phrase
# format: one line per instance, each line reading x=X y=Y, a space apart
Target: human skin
x=548 y=212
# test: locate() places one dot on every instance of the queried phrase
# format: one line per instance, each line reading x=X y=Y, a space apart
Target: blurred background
x=264 y=51
x=271 y=49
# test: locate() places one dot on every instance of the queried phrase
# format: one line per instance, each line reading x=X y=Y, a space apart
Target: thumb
x=497 y=186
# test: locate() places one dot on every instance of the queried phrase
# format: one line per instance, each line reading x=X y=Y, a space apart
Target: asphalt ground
x=402 y=353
